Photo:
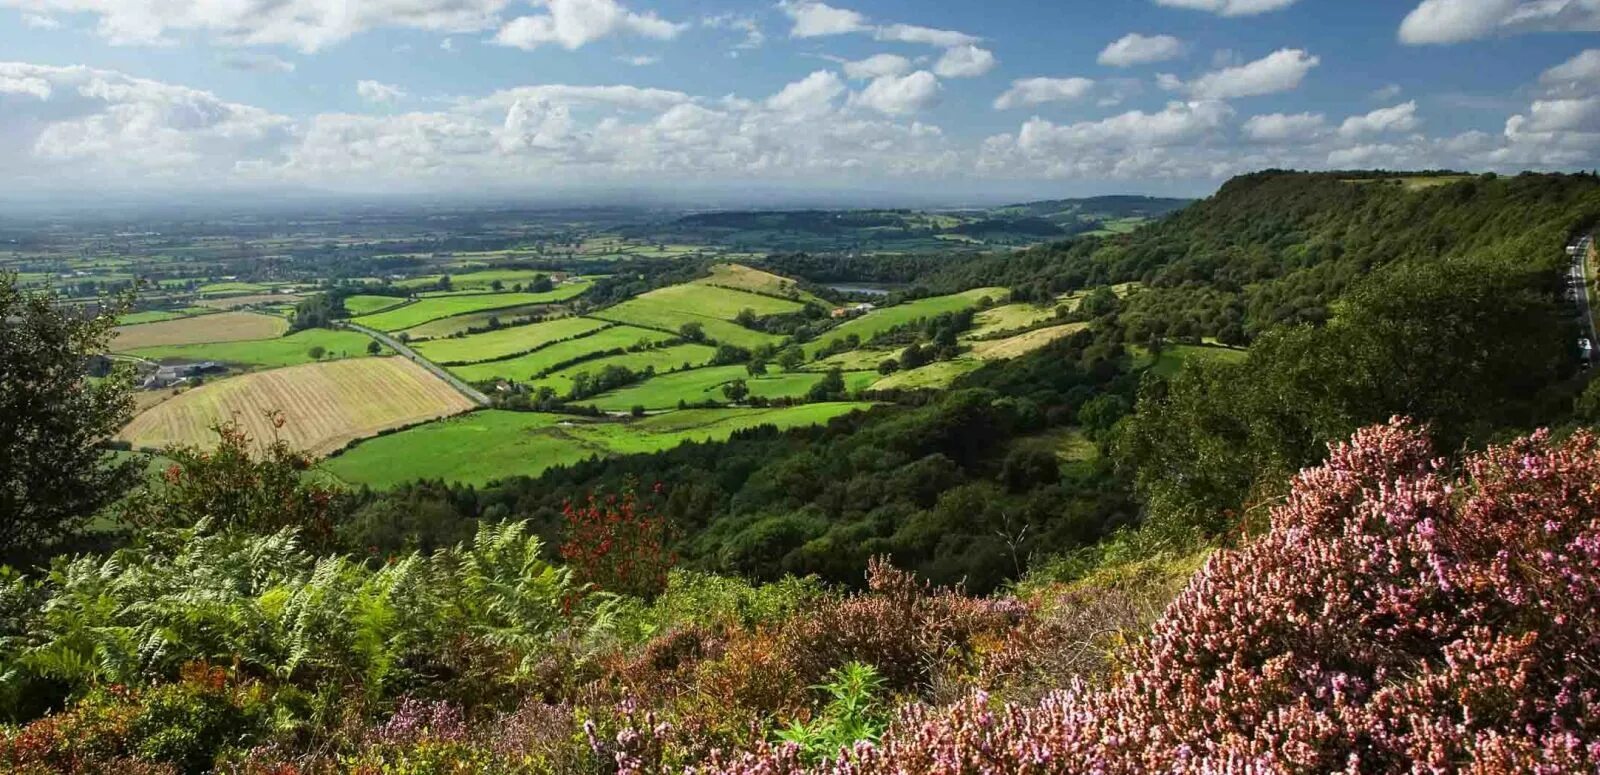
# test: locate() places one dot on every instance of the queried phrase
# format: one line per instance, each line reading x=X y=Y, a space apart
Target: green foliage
x=266 y=605
x=853 y=713
x=54 y=475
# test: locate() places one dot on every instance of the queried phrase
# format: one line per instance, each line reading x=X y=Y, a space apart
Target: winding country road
x=400 y=347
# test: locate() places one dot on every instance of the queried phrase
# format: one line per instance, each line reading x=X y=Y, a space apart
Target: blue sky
x=973 y=99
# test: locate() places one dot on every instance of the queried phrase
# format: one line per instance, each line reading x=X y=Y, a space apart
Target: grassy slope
x=745 y=278
x=713 y=308
x=524 y=367
x=884 y=319
x=483 y=446
x=366 y=305
x=662 y=360
x=425 y=310
x=270 y=353
x=697 y=385
x=506 y=342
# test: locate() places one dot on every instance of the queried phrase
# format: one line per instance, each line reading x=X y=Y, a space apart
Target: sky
x=703 y=98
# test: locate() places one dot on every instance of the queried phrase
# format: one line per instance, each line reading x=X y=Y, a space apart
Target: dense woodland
x=763 y=603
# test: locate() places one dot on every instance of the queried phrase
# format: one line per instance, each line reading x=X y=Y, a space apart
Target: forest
x=1365 y=540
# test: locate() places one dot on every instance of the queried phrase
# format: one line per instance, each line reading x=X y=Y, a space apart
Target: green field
x=266 y=353
x=158 y=315
x=878 y=321
x=1008 y=317
x=461 y=324
x=1174 y=357
x=854 y=360
x=713 y=308
x=233 y=289
x=366 y=305
x=662 y=360
x=422 y=311
x=744 y=278
x=524 y=367
x=935 y=376
x=482 y=279
x=481 y=447
x=507 y=342
x=697 y=385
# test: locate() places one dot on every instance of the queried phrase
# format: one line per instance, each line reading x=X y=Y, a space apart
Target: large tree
x=55 y=472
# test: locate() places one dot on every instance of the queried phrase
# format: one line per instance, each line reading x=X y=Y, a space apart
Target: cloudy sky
x=972 y=98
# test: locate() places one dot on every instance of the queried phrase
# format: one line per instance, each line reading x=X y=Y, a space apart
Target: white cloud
x=1282 y=70
x=808 y=96
x=448 y=44
x=815 y=19
x=1385 y=93
x=900 y=95
x=257 y=63
x=37 y=21
x=308 y=25
x=1025 y=92
x=1575 y=72
x=573 y=24
x=754 y=38
x=1178 y=123
x=1229 y=7
x=877 y=66
x=1400 y=118
x=374 y=91
x=1283 y=128
x=1569 y=115
x=639 y=60
x=631 y=98
x=965 y=61
x=81 y=124
x=1135 y=49
x=927 y=36
x=1455 y=21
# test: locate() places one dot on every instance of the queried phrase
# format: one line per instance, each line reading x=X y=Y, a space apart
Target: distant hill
x=1106 y=207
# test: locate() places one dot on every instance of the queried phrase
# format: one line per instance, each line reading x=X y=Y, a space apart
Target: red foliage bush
x=619 y=544
x=1399 y=616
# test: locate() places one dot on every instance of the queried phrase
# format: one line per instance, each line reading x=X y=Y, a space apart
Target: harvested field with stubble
x=1022 y=344
x=325 y=405
x=218 y=327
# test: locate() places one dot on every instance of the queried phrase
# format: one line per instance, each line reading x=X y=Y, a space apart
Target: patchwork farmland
x=325 y=405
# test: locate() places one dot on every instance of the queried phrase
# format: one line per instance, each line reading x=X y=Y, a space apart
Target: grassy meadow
x=524 y=367
x=507 y=342
x=484 y=446
x=880 y=320
x=218 y=327
x=288 y=350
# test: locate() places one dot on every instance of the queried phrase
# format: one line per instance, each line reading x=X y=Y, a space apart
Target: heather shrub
x=1399 y=615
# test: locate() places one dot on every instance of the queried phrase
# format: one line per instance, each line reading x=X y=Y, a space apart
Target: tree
x=54 y=472
x=791 y=358
x=888 y=366
x=239 y=484
x=693 y=332
x=497 y=286
x=444 y=283
x=756 y=368
x=316 y=352
x=373 y=348
x=736 y=390
x=728 y=354
x=541 y=284
x=830 y=388
x=747 y=318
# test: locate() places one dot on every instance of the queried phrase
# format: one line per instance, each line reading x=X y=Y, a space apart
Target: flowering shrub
x=619 y=544
x=1398 y=616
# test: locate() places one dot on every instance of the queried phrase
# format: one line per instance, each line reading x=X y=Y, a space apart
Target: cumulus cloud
x=1283 y=128
x=1229 y=7
x=1282 y=70
x=1455 y=21
x=1578 y=72
x=808 y=96
x=927 y=36
x=815 y=19
x=374 y=91
x=754 y=38
x=877 y=66
x=39 y=21
x=1026 y=92
x=1135 y=49
x=900 y=95
x=1385 y=93
x=1400 y=118
x=308 y=25
x=573 y=24
x=80 y=123
x=965 y=61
